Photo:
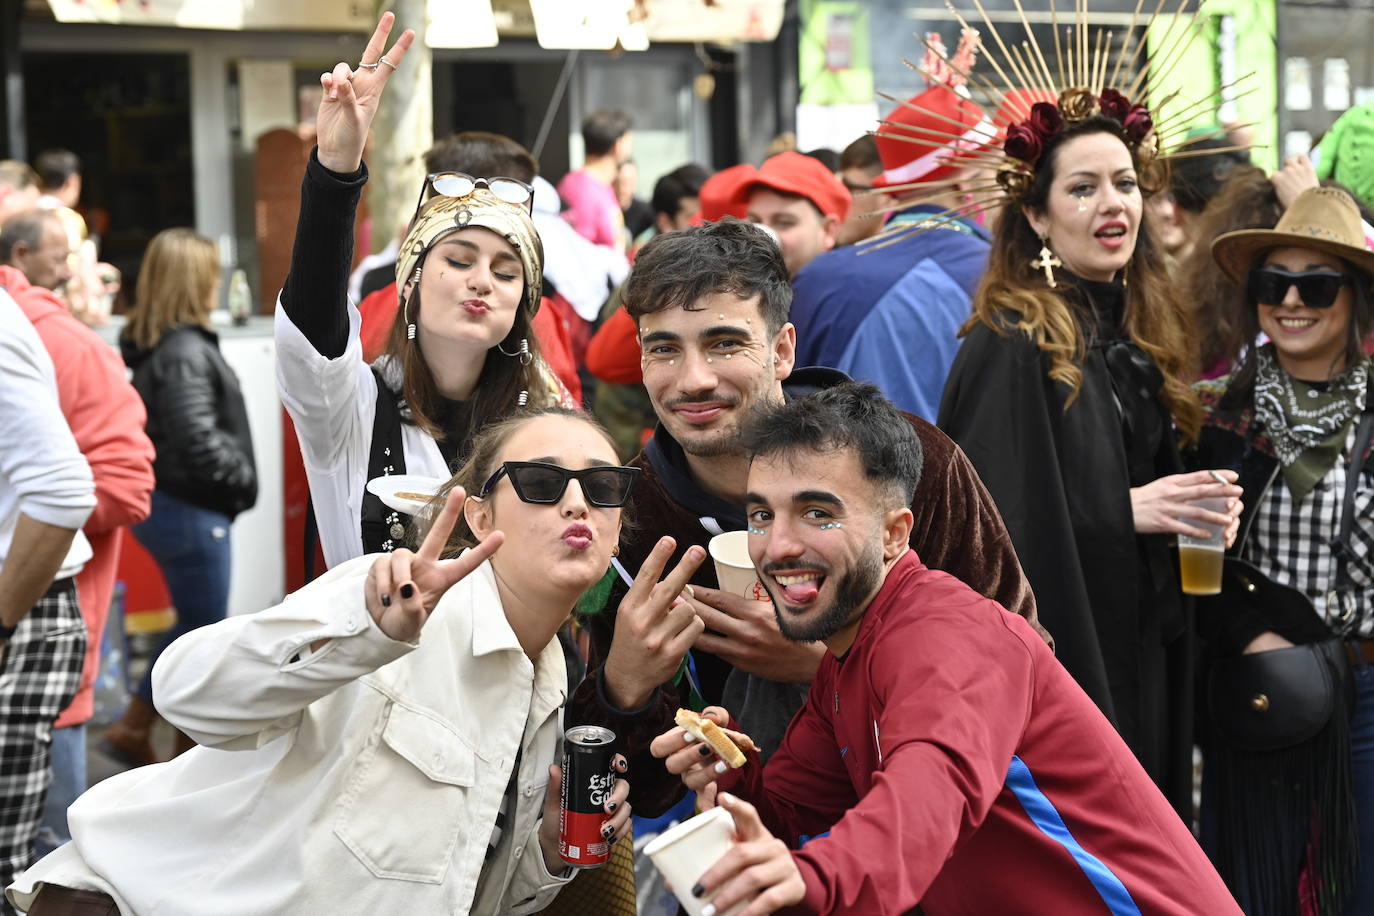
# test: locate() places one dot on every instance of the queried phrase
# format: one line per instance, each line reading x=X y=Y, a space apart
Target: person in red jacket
x=107 y=417
x=944 y=757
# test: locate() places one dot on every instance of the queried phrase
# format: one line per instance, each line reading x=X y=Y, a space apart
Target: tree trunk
x=403 y=129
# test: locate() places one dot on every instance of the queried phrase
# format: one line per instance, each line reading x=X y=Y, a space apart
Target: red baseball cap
x=795 y=173
x=919 y=155
x=717 y=194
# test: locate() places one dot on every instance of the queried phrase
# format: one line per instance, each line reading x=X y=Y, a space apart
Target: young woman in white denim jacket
x=384 y=740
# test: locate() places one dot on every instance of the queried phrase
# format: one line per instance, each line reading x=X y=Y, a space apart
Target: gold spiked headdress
x=1035 y=102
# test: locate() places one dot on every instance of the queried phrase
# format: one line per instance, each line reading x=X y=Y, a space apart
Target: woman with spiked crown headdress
x=1070 y=386
x=460 y=353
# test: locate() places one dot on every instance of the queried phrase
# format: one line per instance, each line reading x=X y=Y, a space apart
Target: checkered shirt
x=42 y=669
x=1291 y=544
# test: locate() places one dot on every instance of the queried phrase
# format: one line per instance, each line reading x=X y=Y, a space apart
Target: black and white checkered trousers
x=42 y=669
x=1291 y=544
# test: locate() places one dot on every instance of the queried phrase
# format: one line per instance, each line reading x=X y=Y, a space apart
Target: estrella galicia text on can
x=588 y=779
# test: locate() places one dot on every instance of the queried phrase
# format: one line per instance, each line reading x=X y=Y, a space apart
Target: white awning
x=461 y=23
x=235 y=15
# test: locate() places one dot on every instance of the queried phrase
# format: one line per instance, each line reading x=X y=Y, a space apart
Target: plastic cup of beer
x=683 y=854
x=734 y=570
x=1200 y=559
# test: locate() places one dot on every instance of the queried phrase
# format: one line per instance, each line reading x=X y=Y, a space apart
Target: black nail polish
x=704 y=750
x=698 y=890
x=407 y=591
x=386 y=600
x=607 y=831
x=611 y=806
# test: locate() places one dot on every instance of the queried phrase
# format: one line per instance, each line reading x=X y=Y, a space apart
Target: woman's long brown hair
x=1156 y=320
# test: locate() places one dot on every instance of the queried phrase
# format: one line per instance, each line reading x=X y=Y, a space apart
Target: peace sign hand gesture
x=351 y=98
x=403 y=588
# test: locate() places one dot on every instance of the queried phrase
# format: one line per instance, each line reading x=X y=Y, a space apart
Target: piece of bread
x=718 y=739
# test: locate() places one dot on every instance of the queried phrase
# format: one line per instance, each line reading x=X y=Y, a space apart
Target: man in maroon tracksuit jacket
x=943 y=757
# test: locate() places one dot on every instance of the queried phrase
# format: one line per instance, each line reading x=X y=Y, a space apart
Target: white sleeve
x=39 y=460
x=331 y=401
x=532 y=888
x=244 y=681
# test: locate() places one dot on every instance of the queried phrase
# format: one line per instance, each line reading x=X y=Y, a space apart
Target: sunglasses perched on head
x=607 y=486
x=460 y=184
x=1318 y=288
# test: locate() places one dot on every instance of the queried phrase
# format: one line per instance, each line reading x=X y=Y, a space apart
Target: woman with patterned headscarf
x=461 y=352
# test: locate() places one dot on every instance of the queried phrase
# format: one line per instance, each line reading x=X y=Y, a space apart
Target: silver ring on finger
x=373 y=66
x=383 y=60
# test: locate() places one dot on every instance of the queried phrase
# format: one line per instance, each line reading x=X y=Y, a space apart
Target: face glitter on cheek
x=753 y=530
x=828 y=525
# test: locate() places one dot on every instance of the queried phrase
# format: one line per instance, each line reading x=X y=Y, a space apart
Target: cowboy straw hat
x=1324 y=219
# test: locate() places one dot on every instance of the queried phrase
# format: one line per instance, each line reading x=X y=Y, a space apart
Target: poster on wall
x=837 y=103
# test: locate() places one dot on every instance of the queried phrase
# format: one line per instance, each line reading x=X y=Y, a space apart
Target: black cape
x=1062 y=478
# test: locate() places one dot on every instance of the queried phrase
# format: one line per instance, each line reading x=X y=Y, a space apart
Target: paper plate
x=408 y=493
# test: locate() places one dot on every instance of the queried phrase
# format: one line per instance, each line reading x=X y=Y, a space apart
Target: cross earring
x=1047 y=262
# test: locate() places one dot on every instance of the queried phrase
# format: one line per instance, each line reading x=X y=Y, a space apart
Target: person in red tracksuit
x=944 y=757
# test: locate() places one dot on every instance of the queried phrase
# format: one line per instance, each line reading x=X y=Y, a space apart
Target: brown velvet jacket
x=956 y=528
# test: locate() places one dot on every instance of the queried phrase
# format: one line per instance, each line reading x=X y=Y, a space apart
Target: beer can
x=588 y=779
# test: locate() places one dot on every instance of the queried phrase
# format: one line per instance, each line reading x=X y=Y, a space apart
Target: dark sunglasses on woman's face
x=606 y=486
x=1318 y=288
x=460 y=184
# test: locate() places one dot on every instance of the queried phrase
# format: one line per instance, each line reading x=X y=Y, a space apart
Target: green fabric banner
x=835 y=57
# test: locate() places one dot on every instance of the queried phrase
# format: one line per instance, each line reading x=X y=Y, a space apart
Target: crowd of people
x=961 y=385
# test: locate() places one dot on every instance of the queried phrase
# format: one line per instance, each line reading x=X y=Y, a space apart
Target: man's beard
x=853 y=589
x=717 y=444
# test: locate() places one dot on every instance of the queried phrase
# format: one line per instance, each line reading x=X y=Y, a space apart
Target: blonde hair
x=176 y=285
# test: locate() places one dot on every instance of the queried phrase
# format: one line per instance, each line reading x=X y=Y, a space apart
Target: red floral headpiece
x=1026 y=140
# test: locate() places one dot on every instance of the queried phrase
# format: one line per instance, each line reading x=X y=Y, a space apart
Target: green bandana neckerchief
x=1307 y=425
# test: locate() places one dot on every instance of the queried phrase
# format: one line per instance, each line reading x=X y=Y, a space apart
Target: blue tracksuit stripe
x=1043 y=814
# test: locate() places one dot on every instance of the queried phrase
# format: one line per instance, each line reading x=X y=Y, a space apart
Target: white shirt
x=333 y=403
x=584 y=272
x=355 y=280
x=361 y=778
x=42 y=473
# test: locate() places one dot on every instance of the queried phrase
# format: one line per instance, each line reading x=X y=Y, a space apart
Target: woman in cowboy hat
x=461 y=352
x=1289 y=421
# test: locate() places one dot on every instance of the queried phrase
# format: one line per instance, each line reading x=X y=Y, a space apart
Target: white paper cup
x=734 y=570
x=683 y=854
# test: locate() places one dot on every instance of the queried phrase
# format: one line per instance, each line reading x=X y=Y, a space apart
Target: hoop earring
x=1046 y=262
x=523 y=353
